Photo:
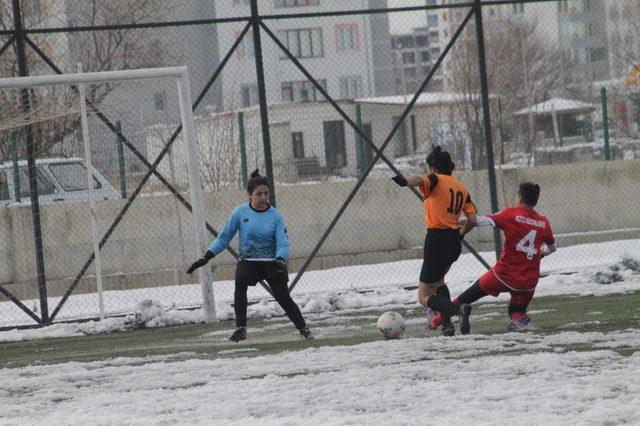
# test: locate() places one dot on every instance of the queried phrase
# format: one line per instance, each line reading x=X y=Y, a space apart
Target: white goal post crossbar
x=181 y=74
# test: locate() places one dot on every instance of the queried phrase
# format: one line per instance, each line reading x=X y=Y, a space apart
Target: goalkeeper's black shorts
x=442 y=247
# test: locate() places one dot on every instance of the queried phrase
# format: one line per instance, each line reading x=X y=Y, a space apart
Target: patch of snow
x=383 y=382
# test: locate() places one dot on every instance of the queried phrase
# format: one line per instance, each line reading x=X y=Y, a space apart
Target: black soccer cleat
x=465 y=313
x=448 y=329
x=238 y=335
x=306 y=334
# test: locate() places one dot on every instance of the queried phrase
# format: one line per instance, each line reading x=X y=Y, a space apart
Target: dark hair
x=440 y=160
x=257 y=180
x=529 y=192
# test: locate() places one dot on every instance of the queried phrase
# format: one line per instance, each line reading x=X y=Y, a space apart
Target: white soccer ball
x=391 y=325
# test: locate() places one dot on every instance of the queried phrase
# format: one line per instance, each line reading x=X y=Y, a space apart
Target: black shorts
x=250 y=272
x=442 y=247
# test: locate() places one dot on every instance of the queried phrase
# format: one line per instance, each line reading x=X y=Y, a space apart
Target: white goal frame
x=181 y=74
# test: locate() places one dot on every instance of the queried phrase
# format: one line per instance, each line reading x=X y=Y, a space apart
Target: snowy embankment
x=467 y=380
x=590 y=269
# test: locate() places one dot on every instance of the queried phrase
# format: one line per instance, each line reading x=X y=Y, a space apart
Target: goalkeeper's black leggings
x=248 y=273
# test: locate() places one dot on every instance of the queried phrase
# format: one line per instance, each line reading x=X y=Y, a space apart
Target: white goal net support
x=114 y=231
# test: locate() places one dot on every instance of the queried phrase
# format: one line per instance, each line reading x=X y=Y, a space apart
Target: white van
x=59 y=180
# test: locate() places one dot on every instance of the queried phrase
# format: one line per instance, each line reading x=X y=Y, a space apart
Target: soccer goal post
x=181 y=77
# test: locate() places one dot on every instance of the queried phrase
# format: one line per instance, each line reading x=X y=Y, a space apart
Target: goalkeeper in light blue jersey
x=263 y=254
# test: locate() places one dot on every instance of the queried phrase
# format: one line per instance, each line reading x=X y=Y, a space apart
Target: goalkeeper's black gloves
x=400 y=180
x=201 y=262
x=280 y=264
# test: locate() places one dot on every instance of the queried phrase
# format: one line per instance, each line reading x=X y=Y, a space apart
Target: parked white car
x=59 y=180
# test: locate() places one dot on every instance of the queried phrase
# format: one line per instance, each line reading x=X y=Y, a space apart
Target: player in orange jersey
x=445 y=199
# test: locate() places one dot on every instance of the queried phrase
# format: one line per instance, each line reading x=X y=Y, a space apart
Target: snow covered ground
x=570 y=377
x=589 y=269
x=475 y=379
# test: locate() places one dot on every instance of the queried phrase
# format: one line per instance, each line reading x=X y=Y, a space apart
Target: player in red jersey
x=528 y=238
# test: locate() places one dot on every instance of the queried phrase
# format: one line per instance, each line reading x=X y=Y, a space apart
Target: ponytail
x=257 y=180
x=440 y=160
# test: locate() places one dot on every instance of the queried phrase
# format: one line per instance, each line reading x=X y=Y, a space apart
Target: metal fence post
x=243 y=149
x=500 y=131
x=486 y=113
x=16 y=170
x=605 y=123
x=359 y=141
x=262 y=95
x=121 y=168
x=31 y=166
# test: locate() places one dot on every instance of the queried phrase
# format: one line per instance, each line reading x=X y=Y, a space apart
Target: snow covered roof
x=428 y=98
x=558 y=105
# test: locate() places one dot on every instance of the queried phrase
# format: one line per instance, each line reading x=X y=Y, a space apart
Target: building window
x=294 y=3
x=426 y=70
x=422 y=40
x=305 y=43
x=4 y=187
x=408 y=57
x=598 y=54
x=249 y=95
x=425 y=56
x=159 y=101
x=347 y=37
x=400 y=138
x=432 y=19
x=518 y=8
x=435 y=51
x=334 y=144
x=301 y=91
x=350 y=87
x=434 y=36
x=36 y=7
x=297 y=143
x=563 y=5
x=368 y=151
x=245 y=48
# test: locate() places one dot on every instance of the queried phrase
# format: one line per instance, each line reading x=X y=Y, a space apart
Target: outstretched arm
x=547 y=249
x=484 y=221
x=410 y=181
x=469 y=223
x=226 y=235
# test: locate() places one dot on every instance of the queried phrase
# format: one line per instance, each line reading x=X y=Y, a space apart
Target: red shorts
x=490 y=284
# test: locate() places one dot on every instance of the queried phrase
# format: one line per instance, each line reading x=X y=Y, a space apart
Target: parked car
x=59 y=180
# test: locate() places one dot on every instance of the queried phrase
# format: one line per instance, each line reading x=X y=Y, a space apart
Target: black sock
x=515 y=308
x=443 y=290
x=442 y=304
x=471 y=294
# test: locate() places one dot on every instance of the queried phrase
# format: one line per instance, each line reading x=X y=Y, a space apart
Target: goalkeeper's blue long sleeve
x=263 y=234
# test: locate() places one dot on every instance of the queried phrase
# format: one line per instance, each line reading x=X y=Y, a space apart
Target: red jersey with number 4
x=525 y=231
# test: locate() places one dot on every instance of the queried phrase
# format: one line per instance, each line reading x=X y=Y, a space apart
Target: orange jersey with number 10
x=446 y=199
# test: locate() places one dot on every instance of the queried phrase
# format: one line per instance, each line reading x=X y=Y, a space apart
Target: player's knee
x=425 y=291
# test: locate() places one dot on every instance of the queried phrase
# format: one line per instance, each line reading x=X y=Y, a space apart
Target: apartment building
x=350 y=56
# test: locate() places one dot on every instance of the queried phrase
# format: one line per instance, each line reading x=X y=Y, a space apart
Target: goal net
x=112 y=226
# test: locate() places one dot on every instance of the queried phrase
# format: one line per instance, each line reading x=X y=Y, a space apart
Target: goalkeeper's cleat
x=238 y=335
x=519 y=325
x=465 y=313
x=306 y=334
x=434 y=319
x=448 y=329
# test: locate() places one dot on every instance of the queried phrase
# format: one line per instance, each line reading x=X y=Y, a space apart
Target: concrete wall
x=154 y=243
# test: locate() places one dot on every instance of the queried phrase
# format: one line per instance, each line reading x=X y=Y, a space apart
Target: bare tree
x=521 y=71
x=53 y=116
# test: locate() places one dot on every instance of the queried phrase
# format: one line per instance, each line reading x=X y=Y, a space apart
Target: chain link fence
x=563 y=101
